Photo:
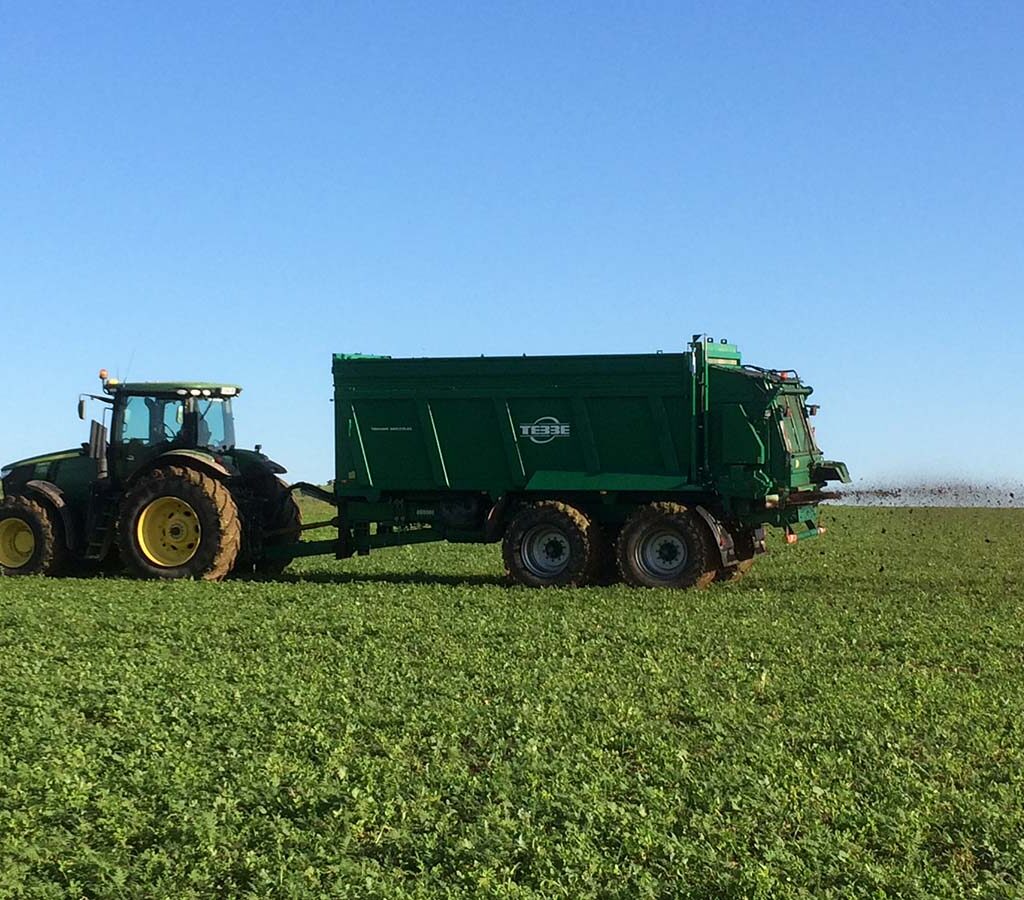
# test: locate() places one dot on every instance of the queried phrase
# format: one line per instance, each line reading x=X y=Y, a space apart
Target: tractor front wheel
x=179 y=523
x=31 y=542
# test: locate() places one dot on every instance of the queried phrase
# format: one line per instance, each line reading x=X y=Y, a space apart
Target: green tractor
x=166 y=490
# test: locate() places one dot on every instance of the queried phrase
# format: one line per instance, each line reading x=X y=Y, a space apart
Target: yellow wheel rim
x=17 y=543
x=168 y=532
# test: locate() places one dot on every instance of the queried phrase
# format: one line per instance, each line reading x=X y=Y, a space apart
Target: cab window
x=216 y=425
x=150 y=420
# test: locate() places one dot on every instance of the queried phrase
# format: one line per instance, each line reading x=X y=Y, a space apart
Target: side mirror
x=81 y=408
x=812 y=409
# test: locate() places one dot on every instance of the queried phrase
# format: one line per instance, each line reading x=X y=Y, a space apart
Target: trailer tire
x=31 y=540
x=551 y=544
x=178 y=522
x=665 y=545
x=282 y=513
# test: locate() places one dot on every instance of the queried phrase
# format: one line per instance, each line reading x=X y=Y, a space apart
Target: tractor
x=164 y=490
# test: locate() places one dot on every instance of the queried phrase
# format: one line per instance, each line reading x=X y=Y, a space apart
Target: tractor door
x=145 y=427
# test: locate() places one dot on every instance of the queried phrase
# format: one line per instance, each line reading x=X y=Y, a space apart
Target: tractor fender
x=723 y=540
x=194 y=459
x=54 y=497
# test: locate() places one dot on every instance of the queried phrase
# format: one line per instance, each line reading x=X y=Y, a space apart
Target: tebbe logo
x=544 y=430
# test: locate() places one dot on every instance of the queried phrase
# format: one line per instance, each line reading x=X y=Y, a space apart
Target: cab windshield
x=187 y=421
x=216 y=424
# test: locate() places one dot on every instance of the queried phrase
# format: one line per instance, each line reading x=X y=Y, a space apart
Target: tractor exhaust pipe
x=98 y=448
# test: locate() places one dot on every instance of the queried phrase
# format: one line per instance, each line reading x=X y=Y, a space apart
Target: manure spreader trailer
x=661 y=469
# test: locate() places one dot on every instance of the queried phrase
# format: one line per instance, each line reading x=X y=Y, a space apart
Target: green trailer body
x=449 y=448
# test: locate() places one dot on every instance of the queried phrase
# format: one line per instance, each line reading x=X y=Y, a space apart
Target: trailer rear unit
x=660 y=468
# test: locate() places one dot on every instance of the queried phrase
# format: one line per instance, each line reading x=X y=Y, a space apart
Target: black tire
x=744 y=544
x=665 y=545
x=281 y=513
x=31 y=538
x=551 y=544
x=202 y=538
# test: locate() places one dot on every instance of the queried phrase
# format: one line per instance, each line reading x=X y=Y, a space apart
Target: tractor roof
x=174 y=388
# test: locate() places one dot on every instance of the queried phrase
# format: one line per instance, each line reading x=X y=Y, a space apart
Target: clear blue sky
x=233 y=191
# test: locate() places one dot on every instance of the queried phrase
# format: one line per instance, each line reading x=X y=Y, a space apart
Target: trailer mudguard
x=494 y=526
x=723 y=540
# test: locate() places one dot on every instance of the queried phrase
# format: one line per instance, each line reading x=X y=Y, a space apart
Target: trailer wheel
x=551 y=544
x=179 y=523
x=282 y=514
x=665 y=545
x=31 y=542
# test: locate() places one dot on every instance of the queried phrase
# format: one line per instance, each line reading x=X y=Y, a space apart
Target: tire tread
x=586 y=531
x=216 y=492
x=702 y=574
x=54 y=557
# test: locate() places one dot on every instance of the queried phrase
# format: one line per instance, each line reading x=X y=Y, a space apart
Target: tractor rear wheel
x=31 y=539
x=551 y=544
x=665 y=545
x=282 y=519
x=179 y=523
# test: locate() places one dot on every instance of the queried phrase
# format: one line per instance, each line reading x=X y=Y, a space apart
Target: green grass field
x=846 y=721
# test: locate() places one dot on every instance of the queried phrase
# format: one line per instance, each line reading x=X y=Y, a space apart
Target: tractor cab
x=151 y=418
